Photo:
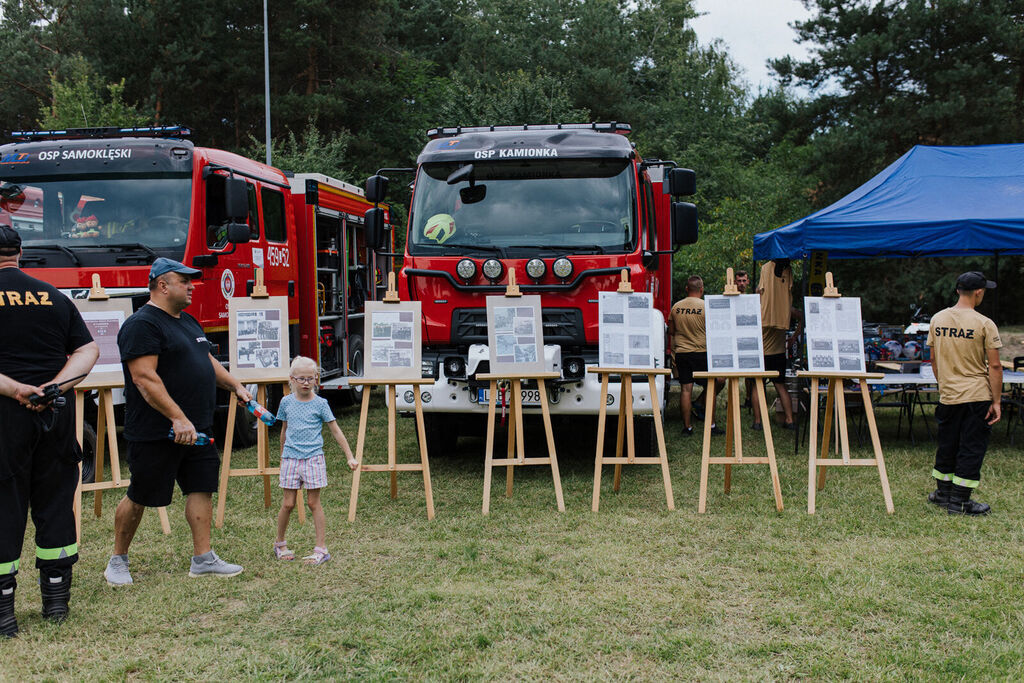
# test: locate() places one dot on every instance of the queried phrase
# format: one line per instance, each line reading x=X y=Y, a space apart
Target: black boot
x=960 y=503
x=8 y=624
x=55 y=585
x=940 y=496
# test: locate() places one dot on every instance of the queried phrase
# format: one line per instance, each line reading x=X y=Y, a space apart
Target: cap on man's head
x=10 y=240
x=968 y=282
x=165 y=265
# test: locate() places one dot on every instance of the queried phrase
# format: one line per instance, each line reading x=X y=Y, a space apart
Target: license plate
x=530 y=397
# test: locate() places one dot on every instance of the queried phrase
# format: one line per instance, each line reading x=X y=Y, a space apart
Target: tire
x=355 y=365
x=442 y=433
x=88 y=454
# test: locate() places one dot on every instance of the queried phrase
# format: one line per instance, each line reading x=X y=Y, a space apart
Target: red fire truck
x=565 y=206
x=111 y=200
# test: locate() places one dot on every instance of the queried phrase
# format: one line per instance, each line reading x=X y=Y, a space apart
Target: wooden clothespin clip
x=730 y=284
x=830 y=290
x=624 y=285
x=391 y=297
x=259 y=290
x=96 y=292
x=513 y=288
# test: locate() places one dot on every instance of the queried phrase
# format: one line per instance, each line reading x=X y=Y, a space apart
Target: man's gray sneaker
x=116 y=572
x=209 y=563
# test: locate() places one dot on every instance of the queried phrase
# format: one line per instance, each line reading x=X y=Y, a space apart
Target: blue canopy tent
x=932 y=201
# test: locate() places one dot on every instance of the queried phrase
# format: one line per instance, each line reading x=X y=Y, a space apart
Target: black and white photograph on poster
x=523 y=326
x=733 y=325
x=833 y=327
x=722 y=361
x=401 y=331
x=626 y=329
x=269 y=330
x=851 y=363
x=514 y=334
x=747 y=344
x=504 y=318
x=248 y=323
x=400 y=358
x=381 y=329
x=380 y=354
x=268 y=357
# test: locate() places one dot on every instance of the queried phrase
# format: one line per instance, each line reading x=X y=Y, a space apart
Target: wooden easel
x=835 y=401
x=625 y=426
x=263 y=468
x=106 y=436
x=392 y=465
x=516 y=450
x=733 y=428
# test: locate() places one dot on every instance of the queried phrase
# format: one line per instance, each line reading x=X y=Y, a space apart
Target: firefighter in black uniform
x=43 y=341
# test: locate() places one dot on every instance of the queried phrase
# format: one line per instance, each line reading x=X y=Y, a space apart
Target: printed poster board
x=104 y=320
x=624 y=324
x=394 y=340
x=515 y=334
x=258 y=338
x=835 y=334
x=733 y=328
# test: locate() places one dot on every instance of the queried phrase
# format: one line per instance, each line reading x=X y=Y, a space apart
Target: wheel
x=88 y=454
x=355 y=366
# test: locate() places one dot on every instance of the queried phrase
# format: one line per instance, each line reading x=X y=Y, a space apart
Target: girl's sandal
x=319 y=556
x=281 y=551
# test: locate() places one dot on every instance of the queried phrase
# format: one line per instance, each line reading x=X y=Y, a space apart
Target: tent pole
x=995 y=277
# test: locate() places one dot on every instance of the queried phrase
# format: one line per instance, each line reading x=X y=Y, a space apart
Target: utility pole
x=266 y=76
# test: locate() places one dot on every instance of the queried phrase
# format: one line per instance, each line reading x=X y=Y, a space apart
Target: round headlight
x=535 y=268
x=493 y=269
x=466 y=269
x=562 y=268
x=409 y=397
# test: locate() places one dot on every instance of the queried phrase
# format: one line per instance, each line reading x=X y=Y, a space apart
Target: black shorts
x=156 y=465
x=776 y=362
x=689 y=363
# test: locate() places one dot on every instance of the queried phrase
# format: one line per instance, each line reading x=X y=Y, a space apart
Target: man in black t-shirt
x=170 y=390
x=43 y=341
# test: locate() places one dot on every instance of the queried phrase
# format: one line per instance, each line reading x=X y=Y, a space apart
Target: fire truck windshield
x=98 y=215
x=564 y=205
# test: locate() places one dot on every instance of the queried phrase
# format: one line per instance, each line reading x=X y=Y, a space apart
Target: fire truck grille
x=561 y=326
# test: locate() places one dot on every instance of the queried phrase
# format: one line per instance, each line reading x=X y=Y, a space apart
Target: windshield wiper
x=560 y=247
x=138 y=246
x=493 y=248
x=57 y=247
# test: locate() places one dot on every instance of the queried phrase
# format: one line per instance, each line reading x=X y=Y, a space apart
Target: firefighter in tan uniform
x=775 y=286
x=965 y=357
x=689 y=346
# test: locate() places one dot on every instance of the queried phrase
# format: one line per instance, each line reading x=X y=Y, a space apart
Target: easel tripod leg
x=360 y=445
x=599 y=457
x=770 y=448
x=659 y=431
x=551 y=444
x=489 y=455
x=424 y=460
x=225 y=466
x=877 y=446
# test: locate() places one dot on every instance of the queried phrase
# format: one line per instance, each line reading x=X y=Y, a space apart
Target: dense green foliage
x=354 y=86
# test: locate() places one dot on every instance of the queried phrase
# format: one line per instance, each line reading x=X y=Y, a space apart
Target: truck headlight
x=466 y=269
x=535 y=268
x=493 y=269
x=562 y=268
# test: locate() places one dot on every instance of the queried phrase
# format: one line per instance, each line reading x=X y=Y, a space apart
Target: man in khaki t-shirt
x=965 y=358
x=689 y=347
x=775 y=286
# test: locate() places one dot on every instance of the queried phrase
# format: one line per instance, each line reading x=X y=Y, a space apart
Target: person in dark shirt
x=43 y=340
x=171 y=380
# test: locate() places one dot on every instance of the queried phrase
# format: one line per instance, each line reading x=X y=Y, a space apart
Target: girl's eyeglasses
x=304 y=380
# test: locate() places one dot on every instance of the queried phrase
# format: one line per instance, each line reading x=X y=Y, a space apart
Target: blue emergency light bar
x=611 y=127
x=105 y=132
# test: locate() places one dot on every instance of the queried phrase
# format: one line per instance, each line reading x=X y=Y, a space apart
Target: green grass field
x=633 y=592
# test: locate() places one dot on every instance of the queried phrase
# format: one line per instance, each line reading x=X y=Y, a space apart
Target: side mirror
x=236 y=199
x=684 y=224
x=374 y=227
x=682 y=182
x=238 y=233
x=376 y=188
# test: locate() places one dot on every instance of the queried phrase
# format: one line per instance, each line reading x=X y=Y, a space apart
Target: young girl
x=303 y=415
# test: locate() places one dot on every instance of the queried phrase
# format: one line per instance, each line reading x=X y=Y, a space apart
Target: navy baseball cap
x=165 y=265
x=968 y=282
x=10 y=240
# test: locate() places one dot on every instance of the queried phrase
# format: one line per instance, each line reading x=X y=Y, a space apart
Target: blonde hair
x=303 y=363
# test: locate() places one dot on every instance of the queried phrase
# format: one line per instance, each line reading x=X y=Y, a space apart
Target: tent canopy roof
x=932 y=201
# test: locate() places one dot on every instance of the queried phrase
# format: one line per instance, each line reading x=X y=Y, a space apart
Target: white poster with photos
x=624 y=324
x=835 y=335
x=733 y=328
x=394 y=340
x=258 y=338
x=515 y=334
